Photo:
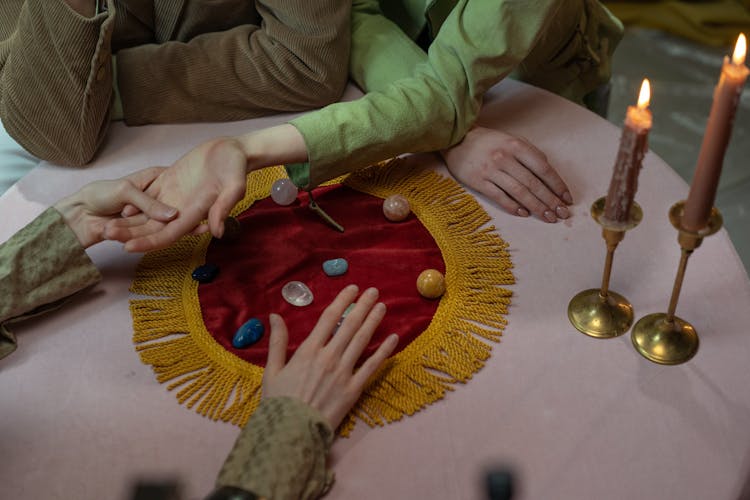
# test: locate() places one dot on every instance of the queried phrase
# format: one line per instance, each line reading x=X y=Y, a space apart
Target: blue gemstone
x=335 y=267
x=248 y=334
x=205 y=273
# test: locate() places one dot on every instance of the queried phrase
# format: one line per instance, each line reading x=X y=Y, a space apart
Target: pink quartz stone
x=284 y=192
x=396 y=208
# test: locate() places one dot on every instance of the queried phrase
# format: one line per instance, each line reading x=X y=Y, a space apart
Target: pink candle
x=702 y=194
x=633 y=146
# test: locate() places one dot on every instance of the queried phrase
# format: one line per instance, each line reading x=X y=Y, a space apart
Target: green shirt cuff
x=299 y=173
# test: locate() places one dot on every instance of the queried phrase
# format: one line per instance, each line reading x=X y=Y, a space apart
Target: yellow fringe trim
x=169 y=333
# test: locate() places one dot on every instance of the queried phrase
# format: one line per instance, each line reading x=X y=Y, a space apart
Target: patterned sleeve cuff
x=39 y=266
x=281 y=453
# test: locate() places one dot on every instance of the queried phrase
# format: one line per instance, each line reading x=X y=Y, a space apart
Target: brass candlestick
x=599 y=312
x=665 y=338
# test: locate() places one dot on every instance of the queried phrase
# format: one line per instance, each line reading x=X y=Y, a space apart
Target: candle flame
x=740 y=49
x=645 y=95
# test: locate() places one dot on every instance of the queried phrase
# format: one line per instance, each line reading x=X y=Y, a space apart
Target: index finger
x=330 y=316
x=162 y=238
x=536 y=161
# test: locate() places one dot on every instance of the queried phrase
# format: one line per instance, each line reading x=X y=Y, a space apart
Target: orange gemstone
x=431 y=284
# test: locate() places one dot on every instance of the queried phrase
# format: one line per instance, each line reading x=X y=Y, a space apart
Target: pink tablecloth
x=576 y=418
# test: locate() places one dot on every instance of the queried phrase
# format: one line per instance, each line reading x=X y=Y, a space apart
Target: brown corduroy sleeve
x=55 y=79
x=297 y=59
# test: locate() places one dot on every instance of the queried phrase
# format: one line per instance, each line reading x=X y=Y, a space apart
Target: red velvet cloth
x=280 y=244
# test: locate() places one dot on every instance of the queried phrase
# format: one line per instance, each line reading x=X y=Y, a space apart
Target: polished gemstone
x=297 y=294
x=205 y=273
x=396 y=208
x=248 y=334
x=232 y=229
x=335 y=267
x=284 y=192
x=431 y=283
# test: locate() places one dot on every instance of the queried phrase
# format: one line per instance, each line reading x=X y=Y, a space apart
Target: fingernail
x=567 y=198
x=550 y=216
x=562 y=212
x=522 y=212
x=171 y=212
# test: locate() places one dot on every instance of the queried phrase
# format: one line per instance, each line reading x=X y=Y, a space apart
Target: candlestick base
x=665 y=342
x=599 y=312
x=598 y=316
x=663 y=337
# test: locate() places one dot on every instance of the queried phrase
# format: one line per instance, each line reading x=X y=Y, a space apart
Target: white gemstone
x=284 y=192
x=297 y=294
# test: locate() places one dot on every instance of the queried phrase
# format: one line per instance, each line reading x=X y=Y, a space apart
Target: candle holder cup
x=599 y=312
x=663 y=337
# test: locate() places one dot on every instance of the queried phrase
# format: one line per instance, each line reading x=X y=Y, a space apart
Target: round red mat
x=281 y=244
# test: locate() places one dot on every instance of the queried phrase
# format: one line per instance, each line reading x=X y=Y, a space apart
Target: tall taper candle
x=702 y=194
x=633 y=146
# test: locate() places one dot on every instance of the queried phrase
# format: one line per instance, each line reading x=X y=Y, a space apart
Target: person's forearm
x=281 y=452
x=294 y=59
x=273 y=146
x=40 y=265
x=63 y=121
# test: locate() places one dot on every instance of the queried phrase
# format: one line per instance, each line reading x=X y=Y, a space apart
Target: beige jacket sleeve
x=40 y=266
x=55 y=79
x=281 y=453
x=295 y=58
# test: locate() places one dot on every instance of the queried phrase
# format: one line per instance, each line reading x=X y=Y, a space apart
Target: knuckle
x=500 y=156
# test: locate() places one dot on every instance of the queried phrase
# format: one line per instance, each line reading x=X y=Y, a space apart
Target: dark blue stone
x=248 y=334
x=205 y=273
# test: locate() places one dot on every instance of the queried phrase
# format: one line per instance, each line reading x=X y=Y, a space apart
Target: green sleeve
x=39 y=266
x=381 y=52
x=480 y=43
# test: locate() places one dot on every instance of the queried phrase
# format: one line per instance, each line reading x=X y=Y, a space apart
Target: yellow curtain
x=712 y=22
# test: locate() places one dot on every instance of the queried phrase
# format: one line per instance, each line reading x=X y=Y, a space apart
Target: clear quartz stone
x=284 y=192
x=297 y=294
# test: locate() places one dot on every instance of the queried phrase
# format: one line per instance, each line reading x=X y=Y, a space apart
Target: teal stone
x=205 y=273
x=248 y=334
x=335 y=267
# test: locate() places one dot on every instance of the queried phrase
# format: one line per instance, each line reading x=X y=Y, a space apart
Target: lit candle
x=633 y=146
x=715 y=140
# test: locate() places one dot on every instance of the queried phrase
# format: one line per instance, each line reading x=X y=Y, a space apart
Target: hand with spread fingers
x=322 y=371
x=511 y=172
x=89 y=210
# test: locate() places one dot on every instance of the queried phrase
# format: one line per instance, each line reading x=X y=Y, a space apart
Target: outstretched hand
x=321 y=371
x=93 y=206
x=208 y=180
x=511 y=172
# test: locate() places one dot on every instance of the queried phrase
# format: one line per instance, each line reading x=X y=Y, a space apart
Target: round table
x=574 y=417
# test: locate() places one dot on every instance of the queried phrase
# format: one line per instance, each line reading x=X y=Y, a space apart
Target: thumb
x=148 y=205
